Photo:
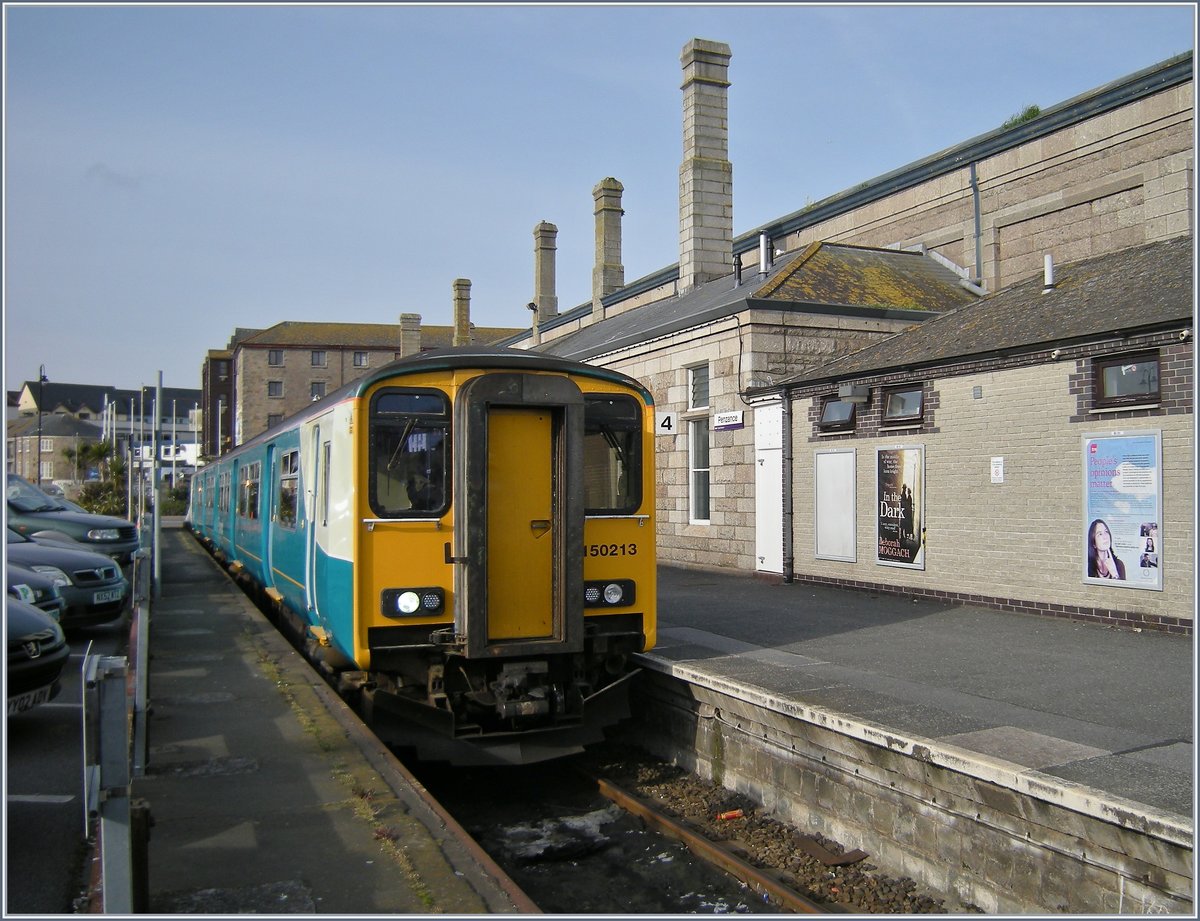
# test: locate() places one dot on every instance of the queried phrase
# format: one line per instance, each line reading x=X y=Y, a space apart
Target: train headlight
x=613 y=593
x=412 y=602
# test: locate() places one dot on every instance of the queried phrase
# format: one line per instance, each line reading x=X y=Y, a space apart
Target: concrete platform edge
x=1176 y=829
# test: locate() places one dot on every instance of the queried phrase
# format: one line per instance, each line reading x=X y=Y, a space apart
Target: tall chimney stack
x=410 y=334
x=462 y=311
x=608 y=274
x=706 y=175
x=545 y=236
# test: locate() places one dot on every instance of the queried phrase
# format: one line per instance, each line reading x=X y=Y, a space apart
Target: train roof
x=466 y=356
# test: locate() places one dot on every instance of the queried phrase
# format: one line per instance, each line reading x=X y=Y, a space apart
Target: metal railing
x=115 y=692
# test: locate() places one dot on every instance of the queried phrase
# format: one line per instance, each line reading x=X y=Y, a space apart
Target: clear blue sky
x=174 y=172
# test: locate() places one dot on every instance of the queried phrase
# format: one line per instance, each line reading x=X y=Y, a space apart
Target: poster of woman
x=1122 y=510
x=900 y=493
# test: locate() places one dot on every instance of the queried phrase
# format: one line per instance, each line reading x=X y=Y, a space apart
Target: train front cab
x=505 y=608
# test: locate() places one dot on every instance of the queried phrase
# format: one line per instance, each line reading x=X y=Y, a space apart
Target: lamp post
x=42 y=380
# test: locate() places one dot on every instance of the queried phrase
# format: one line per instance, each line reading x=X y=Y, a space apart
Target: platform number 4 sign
x=666 y=423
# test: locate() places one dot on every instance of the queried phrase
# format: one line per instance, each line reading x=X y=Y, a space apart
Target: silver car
x=93 y=586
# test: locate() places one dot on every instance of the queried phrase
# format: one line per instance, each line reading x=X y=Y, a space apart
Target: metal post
x=141 y=660
x=174 y=444
x=156 y=479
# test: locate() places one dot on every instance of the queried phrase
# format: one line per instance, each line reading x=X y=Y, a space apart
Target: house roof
x=824 y=278
x=75 y=398
x=292 y=333
x=1116 y=294
x=53 y=426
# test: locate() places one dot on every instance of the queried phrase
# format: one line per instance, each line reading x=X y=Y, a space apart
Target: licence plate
x=109 y=594
x=28 y=700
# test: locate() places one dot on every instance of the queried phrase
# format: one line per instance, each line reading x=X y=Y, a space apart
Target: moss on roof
x=835 y=273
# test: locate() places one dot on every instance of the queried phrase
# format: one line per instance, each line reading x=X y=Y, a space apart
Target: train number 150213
x=612 y=549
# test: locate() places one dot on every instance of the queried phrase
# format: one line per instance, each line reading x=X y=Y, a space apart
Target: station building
x=725 y=338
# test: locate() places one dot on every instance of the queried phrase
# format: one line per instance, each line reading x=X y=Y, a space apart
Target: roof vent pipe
x=1049 y=273
x=737 y=270
x=764 y=253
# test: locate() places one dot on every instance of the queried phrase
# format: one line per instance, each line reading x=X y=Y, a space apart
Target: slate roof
x=53 y=426
x=1122 y=293
x=292 y=333
x=824 y=278
x=75 y=398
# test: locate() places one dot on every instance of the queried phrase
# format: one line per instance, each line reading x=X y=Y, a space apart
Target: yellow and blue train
x=464 y=542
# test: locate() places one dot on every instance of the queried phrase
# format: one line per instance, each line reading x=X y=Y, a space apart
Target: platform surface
x=1107 y=709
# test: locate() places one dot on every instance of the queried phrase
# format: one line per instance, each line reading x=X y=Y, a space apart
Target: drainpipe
x=789 y=560
x=978 y=227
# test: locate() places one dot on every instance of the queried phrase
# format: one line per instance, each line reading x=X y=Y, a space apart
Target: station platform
x=266 y=794
x=1109 y=713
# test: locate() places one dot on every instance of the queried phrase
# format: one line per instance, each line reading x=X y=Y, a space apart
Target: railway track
x=576 y=841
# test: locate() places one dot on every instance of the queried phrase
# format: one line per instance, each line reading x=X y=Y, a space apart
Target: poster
x=900 y=494
x=1122 y=510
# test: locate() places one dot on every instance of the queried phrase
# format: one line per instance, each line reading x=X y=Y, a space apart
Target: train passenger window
x=409 y=453
x=612 y=454
x=289 y=488
x=248 y=491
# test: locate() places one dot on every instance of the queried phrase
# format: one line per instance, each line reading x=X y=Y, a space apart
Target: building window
x=698 y=435
x=275 y=357
x=275 y=389
x=274 y=419
x=698 y=387
x=316 y=390
x=47 y=444
x=837 y=416
x=222 y=370
x=318 y=358
x=1127 y=380
x=903 y=404
x=360 y=359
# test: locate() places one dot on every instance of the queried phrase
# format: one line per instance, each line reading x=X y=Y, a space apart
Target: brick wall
x=1016 y=544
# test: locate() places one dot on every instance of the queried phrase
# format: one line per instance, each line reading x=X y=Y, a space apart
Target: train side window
x=248 y=491
x=289 y=488
x=612 y=454
x=409 y=455
x=326 y=456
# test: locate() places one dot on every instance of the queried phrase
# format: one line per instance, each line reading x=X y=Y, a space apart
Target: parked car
x=37 y=652
x=93 y=586
x=36 y=589
x=31 y=510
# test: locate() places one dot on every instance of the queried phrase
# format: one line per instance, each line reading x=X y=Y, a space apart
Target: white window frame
x=697 y=515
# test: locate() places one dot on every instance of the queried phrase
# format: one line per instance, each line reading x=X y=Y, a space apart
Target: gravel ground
x=763 y=841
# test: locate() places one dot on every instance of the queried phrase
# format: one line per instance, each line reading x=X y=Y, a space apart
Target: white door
x=768 y=488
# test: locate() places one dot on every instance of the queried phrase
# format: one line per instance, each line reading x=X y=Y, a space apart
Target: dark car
x=30 y=510
x=93 y=586
x=36 y=589
x=37 y=652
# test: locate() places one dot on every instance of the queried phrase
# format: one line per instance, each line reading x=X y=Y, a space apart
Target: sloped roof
x=74 y=398
x=292 y=333
x=1129 y=291
x=53 y=426
x=829 y=278
x=835 y=273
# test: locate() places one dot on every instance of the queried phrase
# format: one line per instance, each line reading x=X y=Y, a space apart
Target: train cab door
x=519 y=515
